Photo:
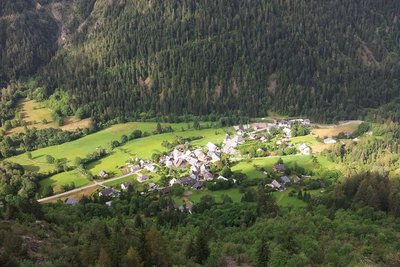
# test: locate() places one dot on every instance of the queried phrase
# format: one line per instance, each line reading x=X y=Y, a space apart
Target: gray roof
x=285 y=179
x=107 y=192
x=188 y=181
x=71 y=201
x=296 y=179
x=279 y=167
x=198 y=185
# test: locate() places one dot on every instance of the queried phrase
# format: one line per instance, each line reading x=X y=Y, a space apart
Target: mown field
x=35 y=113
x=333 y=130
x=64 y=178
x=249 y=167
x=282 y=198
x=81 y=147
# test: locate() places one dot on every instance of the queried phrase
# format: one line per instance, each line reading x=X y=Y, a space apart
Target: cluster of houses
x=198 y=160
x=179 y=158
x=284 y=125
x=284 y=180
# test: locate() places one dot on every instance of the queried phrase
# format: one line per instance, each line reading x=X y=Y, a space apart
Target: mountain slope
x=326 y=60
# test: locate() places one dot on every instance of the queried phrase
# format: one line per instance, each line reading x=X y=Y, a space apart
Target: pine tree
x=201 y=251
x=132 y=258
x=262 y=253
x=104 y=258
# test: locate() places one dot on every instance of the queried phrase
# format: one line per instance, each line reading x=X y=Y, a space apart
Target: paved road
x=77 y=190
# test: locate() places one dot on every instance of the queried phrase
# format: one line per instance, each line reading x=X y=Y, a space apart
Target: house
x=193 y=161
x=198 y=185
x=207 y=176
x=330 y=141
x=285 y=180
x=258 y=126
x=103 y=174
x=211 y=147
x=174 y=181
x=304 y=149
x=179 y=162
x=150 y=167
x=134 y=168
x=71 y=201
x=276 y=185
x=214 y=157
x=109 y=203
x=229 y=150
x=187 y=181
x=227 y=139
x=241 y=132
x=169 y=163
x=194 y=170
x=279 y=167
x=238 y=139
x=166 y=190
x=200 y=155
x=283 y=124
x=125 y=185
x=287 y=132
x=176 y=154
x=296 y=179
x=222 y=178
x=152 y=185
x=142 y=177
x=107 y=192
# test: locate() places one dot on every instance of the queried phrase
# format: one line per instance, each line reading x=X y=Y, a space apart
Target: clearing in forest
x=35 y=114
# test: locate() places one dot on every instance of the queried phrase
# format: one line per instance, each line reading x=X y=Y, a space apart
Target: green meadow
x=81 y=147
x=248 y=167
x=284 y=200
x=131 y=178
x=64 y=178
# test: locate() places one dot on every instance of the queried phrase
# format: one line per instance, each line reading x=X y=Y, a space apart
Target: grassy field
x=284 y=200
x=131 y=178
x=330 y=131
x=34 y=113
x=81 y=147
x=56 y=181
x=311 y=141
x=196 y=195
x=78 y=195
x=248 y=167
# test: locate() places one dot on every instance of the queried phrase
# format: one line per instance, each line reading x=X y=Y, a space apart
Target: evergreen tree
x=262 y=253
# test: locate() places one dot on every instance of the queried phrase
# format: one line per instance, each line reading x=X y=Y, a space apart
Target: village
x=191 y=168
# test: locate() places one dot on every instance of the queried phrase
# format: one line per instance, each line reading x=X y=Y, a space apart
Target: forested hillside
x=31 y=31
x=327 y=60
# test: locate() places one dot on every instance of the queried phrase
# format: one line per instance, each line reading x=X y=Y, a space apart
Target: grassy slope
x=65 y=178
x=81 y=147
x=131 y=178
x=34 y=113
x=247 y=167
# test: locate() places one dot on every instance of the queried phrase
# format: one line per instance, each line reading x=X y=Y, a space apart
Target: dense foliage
x=339 y=229
x=327 y=60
